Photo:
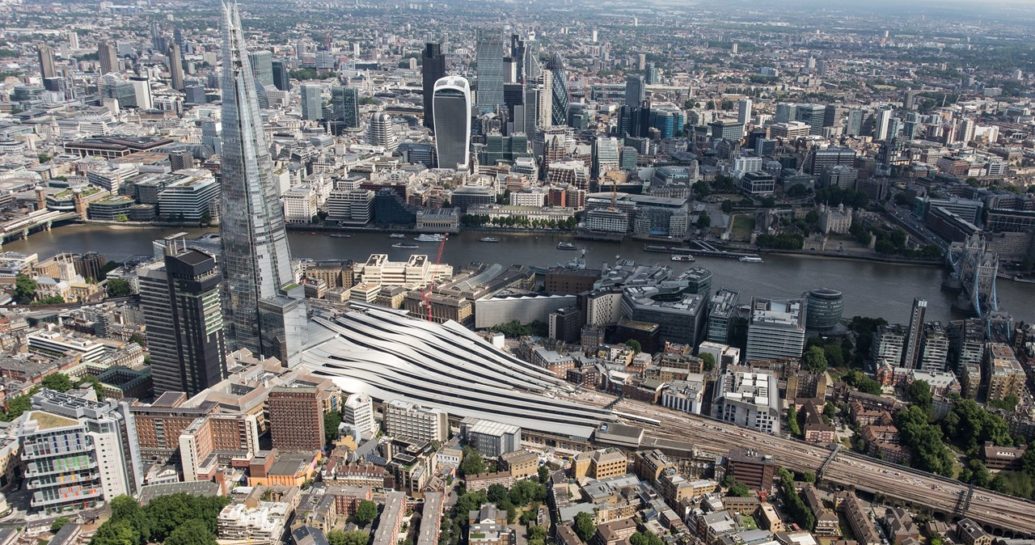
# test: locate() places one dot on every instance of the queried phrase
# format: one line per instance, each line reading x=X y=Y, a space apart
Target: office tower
x=651 y=74
x=76 y=453
x=142 y=92
x=489 y=56
x=358 y=412
x=55 y=84
x=744 y=111
x=825 y=309
x=381 y=132
x=46 y=56
x=813 y=115
x=194 y=93
x=296 y=418
x=967 y=130
x=635 y=91
x=281 y=75
x=180 y=301
x=108 y=57
x=176 y=67
x=785 y=112
x=915 y=334
x=345 y=108
x=832 y=115
x=894 y=128
x=157 y=40
x=605 y=156
x=559 y=89
x=855 y=122
x=452 y=107
x=912 y=127
x=530 y=109
x=312 y=102
x=531 y=69
x=262 y=66
x=510 y=72
x=776 y=329
x=513 y=99
x=883 y=125
x=544 y=117
x=433 y=68
x=518 y=53
x=180 y=159
x=415 y=423
x=262 y=303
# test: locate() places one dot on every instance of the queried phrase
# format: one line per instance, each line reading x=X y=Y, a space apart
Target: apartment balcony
x=77 y=494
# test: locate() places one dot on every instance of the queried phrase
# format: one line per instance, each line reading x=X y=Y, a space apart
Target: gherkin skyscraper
x=559 y=90
x=264 y=307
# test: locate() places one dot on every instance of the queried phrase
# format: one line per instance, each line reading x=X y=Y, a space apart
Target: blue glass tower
x=559 y=91
x=489 y=56
x=264 y=307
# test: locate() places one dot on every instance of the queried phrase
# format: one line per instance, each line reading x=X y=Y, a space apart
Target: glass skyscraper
x=281 y=75
x=453 y=122
x=489 y=56
x=345 y=108
x=312 y=102
x=559 y=91
x=263 y=305
x=262 y=66
x=635 y=90
x=433 y=68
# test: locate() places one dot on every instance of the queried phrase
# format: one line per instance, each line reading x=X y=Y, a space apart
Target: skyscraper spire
x=264 y=309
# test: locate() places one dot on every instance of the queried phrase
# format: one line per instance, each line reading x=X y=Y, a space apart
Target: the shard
x=263 y=306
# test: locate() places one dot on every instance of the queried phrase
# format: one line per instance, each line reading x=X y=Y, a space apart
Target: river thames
x=870 y=288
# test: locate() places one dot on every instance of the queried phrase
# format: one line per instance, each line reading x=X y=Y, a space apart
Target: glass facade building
x=452 y=108
x=255 y=260
x=312 y=102
x=262 y=66
x=433 y=68
x=345 y=108
x=489 y=56
x=559 y=92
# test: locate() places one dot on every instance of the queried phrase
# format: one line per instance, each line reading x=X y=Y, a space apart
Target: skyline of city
x=496 y=273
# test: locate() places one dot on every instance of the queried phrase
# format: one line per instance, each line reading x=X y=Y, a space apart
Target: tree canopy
x=179 y=519
x=366 y=512
x=584 y=526
x=354 y=537
x=924 y=441
x=919 y=393
x=59 y=382
x=815 y=360
x=331 y=421
x=118 y=287
x=708 y=361
x=645 y=538
x=473 y=463
x=24 y=289
x=968 y=425
x=191 y=532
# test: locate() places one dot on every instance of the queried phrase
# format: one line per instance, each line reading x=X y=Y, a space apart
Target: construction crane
x=425 y=297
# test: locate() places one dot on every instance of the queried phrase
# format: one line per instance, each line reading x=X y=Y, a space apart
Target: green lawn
x=743 y=225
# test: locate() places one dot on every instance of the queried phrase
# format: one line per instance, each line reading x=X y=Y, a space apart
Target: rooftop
x=49 y=421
